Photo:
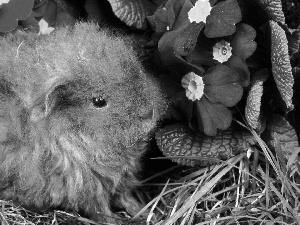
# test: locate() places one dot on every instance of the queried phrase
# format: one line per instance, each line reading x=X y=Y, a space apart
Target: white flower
x=200 y=11
x=44 y=27
x=4 y=2
x=222 y=51
x=193 y=85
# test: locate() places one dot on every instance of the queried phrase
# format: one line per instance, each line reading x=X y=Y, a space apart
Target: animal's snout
x=148 y=115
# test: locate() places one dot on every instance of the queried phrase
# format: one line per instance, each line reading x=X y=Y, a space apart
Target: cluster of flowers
x=206 y=45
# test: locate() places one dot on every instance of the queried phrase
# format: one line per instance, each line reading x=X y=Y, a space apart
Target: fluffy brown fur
x=57 y=149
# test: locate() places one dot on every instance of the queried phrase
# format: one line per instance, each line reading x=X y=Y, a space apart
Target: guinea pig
x=77 y=108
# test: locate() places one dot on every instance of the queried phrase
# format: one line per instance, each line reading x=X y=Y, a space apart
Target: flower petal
x=193 y=85
x=228 y=95
x=242 y=42
x=222 y=19
x=200 y=11
x=209 y=117
x=220 y=75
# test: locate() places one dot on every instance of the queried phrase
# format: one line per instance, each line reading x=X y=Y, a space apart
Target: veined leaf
x=194 y=148
x=253 y=112
x=133 y=12
x=281 y=66
x=273 y=9
x=279 y=129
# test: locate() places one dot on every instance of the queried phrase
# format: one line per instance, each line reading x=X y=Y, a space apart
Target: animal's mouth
x=144 y=128
x=143 y=133
x=149 y=115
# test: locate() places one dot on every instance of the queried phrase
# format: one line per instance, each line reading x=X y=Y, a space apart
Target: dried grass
x=241 y=190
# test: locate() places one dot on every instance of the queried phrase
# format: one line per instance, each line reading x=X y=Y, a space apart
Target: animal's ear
x=46 y=99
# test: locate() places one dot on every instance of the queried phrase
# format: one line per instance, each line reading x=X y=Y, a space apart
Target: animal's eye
x=99 y=102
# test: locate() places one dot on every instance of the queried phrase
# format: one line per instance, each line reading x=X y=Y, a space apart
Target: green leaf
x=222 y=19
x=253 y=112
x=281 y=67
x=273 y=8
x=194 y=148
x=182 y=107
x=293 y=37
x=258 y=12
x=133 y=12
x=12 y=12
x=165 y=16
x=177 y=43
x=42 y=17
x=280 y=130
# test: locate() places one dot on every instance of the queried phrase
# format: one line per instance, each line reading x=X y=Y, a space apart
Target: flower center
x=194 y=86
x=222 y=51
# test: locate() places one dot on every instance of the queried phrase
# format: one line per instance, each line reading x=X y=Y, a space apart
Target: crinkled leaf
x=281 y=67
x=279 y=129
x=222 y=19
x=133 y=12
x=195 y=148
x=273 y=8
x=14 y=11
x=174 y=44
x=253 y=107
x=210 y=116
x=242 y=43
